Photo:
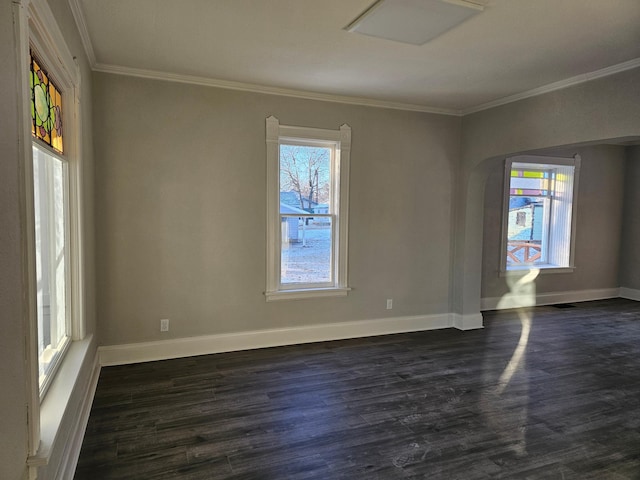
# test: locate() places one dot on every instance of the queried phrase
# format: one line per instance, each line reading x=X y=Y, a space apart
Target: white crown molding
x=285 y=92
x=493 y=303
x=229 y=342
x=569 y=82
x=81 y=23
x=248 y=87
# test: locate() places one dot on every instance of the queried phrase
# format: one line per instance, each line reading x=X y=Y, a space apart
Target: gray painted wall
x=630 y=251
x=600 y=110
x=180 y=210
x=180 y=206
x=598 y=228
x=13 y=374
x=589 y=113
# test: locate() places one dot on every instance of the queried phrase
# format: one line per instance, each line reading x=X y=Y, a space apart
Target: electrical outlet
x=164 y=325
x=389 y=303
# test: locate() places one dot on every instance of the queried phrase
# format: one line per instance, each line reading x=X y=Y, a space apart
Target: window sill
x=55 y=403
x=306 y=293
x=543 y=269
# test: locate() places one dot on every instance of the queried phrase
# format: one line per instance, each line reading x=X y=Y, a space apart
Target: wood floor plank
x=439 y=405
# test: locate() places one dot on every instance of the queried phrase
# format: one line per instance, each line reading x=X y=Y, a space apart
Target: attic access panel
x=413 y=21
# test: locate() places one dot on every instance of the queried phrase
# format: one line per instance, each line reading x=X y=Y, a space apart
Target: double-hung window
x=539 y=214
x=307 y=205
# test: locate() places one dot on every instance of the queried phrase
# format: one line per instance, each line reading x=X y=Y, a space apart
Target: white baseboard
x=467 y=322
x=514 y=301
x=630 y=293
x=72 y=449
x=202 y=345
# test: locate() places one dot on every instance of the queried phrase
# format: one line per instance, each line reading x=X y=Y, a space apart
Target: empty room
x=284 y=239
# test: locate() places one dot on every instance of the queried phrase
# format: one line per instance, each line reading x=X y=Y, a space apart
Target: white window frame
x=35 y=28
x=556 y=245
x=340 y=142
x=57 y=354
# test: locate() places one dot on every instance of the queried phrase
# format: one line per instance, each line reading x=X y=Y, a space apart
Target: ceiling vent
x=413 y=21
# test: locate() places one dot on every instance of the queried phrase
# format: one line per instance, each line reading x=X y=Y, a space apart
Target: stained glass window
x=526 y=181
x=46 y=107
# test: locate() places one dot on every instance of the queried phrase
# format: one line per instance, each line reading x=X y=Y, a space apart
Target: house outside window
x=307 y=207
x=539 y=214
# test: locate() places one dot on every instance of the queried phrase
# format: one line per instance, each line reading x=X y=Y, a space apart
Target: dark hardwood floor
x=562 y=402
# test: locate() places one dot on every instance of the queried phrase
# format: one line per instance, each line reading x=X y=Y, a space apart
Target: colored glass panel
x=46 y=108
x=530 y=182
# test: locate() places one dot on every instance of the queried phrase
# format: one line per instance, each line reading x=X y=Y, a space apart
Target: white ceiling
x=514 y=49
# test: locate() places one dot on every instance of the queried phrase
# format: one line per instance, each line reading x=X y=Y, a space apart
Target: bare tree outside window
x=306 y=171
x=307 y=209
x=305 y=185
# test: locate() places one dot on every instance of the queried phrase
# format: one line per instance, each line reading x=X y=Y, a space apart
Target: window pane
x=306 y=255
x=305 y=173
x=51 y=257
x=530 y=182
x=527 y=229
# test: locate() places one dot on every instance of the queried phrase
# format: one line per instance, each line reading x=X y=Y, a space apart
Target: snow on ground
x=310 y=263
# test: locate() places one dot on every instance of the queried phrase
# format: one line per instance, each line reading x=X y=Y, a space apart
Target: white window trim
x=546 y=161
x=342 y=138
x=35 y=27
